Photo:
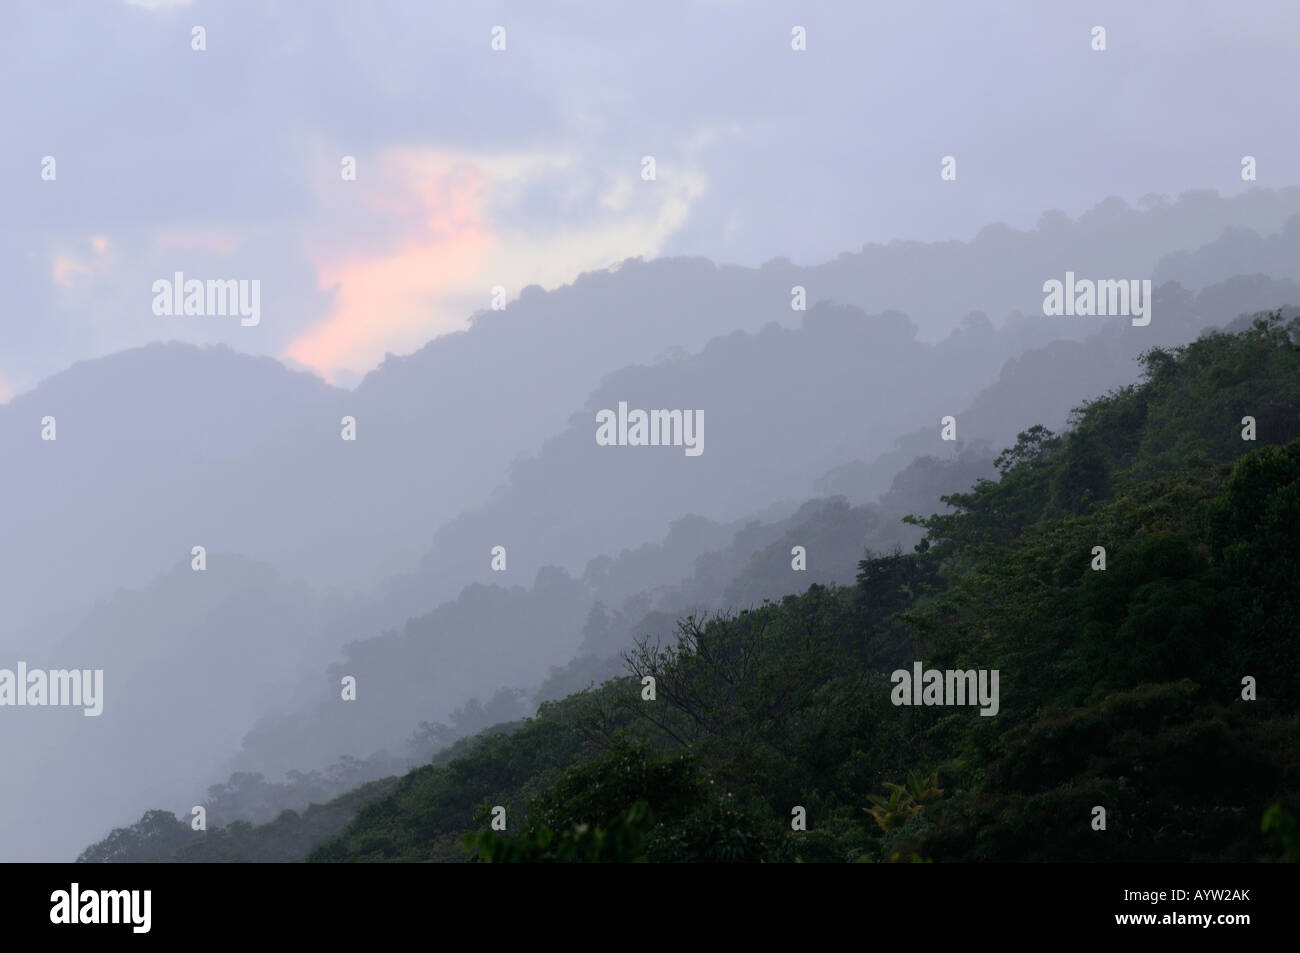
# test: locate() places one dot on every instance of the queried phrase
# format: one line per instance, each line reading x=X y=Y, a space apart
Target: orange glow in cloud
x=388 y=297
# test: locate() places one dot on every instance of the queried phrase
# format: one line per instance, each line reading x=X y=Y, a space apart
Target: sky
x=479 y=168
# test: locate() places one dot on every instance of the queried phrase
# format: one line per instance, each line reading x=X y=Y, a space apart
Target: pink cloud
x=66 y=268
x=387 y=296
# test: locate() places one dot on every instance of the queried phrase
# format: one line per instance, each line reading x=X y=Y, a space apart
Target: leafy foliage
x=1122 y=688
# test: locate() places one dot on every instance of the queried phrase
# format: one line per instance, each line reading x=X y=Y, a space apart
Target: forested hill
x=1134 y=582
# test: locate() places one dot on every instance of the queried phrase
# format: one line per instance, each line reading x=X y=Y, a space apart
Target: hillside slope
x=1123 y=687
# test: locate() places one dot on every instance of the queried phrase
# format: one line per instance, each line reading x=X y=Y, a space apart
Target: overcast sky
x=478 y=167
